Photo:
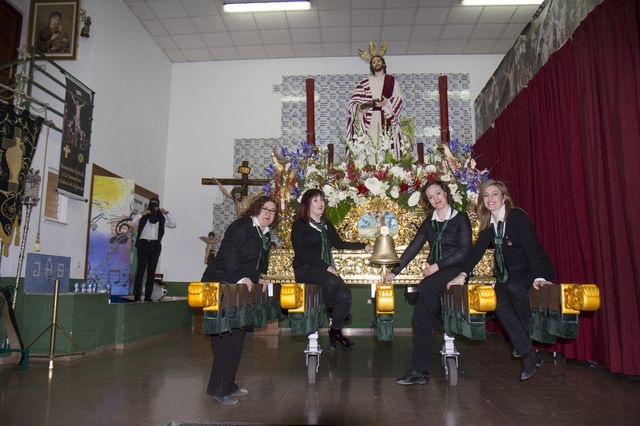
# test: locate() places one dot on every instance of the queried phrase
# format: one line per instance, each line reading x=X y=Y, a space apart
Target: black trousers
x=335 y=292
x=427 y=315
x=227 y=349
x=513 y=309
x=148 y=255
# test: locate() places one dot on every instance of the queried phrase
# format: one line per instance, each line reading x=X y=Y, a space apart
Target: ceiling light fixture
x=500 y=2
x=266 y=6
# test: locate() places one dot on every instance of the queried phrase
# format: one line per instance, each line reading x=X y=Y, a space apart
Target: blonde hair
x=484 y=215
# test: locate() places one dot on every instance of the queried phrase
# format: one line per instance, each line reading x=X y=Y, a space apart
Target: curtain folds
x=568 y=147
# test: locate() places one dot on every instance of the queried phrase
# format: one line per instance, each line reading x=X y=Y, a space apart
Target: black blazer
x=456 y=242
x=238 y=254
x=524 y=255
x=307 y=244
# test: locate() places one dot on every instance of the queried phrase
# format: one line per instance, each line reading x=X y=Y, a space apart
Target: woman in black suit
x=520 y=263
x=243 y=257
x=448 y=233
x=312 y=236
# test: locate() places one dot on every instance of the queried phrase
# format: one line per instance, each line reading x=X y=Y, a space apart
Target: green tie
x=436 y=247
x=326 y=248
x=263 y=257
x=500 y=268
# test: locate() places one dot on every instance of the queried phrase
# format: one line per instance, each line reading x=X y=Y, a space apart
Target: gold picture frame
x=53 y=28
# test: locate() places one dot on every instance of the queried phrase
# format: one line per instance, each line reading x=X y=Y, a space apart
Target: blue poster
x=43 y=269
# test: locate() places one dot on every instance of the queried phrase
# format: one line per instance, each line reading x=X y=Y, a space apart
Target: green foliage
x=339 y=212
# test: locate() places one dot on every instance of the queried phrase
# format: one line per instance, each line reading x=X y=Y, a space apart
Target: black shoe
x=136 y=299
x=146 y=299
x=239 y=392
x=414 y=377
x=539 y=360
x=336 y=336
x=528 y=366
x=226 y=400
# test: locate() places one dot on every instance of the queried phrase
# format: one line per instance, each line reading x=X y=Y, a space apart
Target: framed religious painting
x=53 y=28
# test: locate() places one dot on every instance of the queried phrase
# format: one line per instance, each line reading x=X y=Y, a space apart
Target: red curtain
x=568 y=147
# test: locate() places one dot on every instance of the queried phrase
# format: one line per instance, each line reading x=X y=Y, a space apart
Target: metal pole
x=23 y=244
x=54 y=323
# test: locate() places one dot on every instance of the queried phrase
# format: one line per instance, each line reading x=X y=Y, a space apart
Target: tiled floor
x=156 y=383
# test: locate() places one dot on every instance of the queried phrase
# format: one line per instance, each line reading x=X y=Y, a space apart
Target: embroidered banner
x=19 y=135
x=76 y=136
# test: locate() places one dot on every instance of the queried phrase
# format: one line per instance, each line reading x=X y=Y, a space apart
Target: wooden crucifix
x=240 y=194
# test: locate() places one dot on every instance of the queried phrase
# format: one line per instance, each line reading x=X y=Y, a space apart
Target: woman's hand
x=265 y=285
x=431 y=269
x=332 y=270
x=458 y=280
x=538 y=284
x=247 y=282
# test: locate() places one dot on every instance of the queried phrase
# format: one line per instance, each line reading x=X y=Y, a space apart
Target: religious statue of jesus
x=377 y=101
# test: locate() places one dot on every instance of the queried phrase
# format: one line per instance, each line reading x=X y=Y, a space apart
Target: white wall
x=213 y=103
x=131 y=77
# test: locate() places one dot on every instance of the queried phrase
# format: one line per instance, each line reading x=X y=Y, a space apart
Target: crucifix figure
x=239 y=195
x=13 y=149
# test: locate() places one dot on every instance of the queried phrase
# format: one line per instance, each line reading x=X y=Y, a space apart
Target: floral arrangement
x=370 y=170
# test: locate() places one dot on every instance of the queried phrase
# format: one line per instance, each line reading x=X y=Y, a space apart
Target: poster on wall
x=76 y=138
x=110 y=234
x=42 y=270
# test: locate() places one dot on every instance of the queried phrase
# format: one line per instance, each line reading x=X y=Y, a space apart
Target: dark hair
x=55 y=13
x=305 y=203
x=384 y=64
x=211 y=234
x=428 y=208
x=156 y=199
x=256 y=206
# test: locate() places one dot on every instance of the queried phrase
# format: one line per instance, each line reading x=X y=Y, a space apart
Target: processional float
x=555 y=308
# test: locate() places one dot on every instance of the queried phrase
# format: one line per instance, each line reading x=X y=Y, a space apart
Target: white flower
x=413 y=200
x=398 y=172
x=445 y=178
x=472 y=196
x=457 y=198
x=373 y=185
x=395 y=192
x=453 y=187
x=430 y=168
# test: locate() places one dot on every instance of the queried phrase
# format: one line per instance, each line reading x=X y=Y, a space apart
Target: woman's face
x=267 y=214
x=317 y=207
x=493 y=198
x=437 y=197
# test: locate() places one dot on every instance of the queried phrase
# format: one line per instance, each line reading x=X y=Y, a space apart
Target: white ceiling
x=198 y=30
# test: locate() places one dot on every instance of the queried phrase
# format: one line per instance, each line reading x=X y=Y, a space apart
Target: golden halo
x=372 y=51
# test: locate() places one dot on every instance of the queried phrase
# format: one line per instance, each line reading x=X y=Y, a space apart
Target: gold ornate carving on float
x=354 y=266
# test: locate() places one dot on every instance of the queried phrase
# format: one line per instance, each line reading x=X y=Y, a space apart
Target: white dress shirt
x=150 y=230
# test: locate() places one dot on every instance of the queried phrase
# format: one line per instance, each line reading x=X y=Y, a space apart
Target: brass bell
x=384 y=250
